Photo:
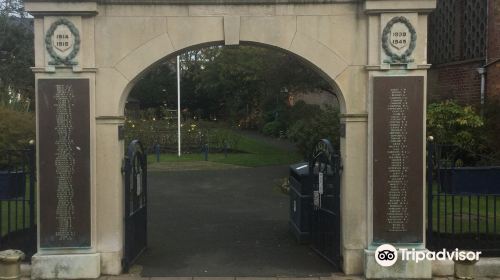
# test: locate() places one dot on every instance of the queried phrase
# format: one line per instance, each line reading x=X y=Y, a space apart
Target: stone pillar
x=397 y=78
x=65 y=92
x=353 y=188
x=110 y=151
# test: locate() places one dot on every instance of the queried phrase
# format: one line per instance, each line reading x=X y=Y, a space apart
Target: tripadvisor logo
x=386 y=255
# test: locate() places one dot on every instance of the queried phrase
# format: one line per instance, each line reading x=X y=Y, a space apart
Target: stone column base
x=111 y=263
x=407 y=269
x=71 y=266
x=353 y=261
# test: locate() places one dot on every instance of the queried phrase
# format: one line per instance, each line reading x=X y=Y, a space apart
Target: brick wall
x=458 y=81
x=493 y=74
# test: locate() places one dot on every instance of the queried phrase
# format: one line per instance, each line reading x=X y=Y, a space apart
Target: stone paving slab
x=171 y=278
x=333 y=277
x=339 y=276
x=213 y=278
x=255 y=278
x=298 y=278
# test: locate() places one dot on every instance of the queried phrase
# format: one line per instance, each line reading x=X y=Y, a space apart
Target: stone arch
x=143 y=58
x=277 y=32
x=313 y=53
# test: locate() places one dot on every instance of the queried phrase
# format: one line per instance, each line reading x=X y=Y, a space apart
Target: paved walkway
x=224 y=223
x=332 y=277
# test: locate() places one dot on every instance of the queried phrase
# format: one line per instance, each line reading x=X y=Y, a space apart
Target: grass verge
x=466 y=214
x=252 y=153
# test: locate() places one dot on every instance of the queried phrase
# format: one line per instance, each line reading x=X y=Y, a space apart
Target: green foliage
x=242 y=85
x=278 y=122
x=491 y=128
x=16 y=58
x=450 y=123
x=274 y=128
x=12 y=8
x=158 y=88
x=302 y=110
x=17 y=129
x=306 y=133
x=194 y=135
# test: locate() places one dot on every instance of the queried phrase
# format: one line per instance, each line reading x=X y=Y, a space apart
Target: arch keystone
x=232 y=30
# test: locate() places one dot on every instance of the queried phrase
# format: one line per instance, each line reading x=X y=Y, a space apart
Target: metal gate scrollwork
x=324 y=169
x=135 y=178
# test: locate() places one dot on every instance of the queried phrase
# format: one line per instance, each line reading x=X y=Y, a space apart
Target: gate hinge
x=123 y=166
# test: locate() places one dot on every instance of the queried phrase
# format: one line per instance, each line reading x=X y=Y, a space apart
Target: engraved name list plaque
x=398 y=124
x=64 y=163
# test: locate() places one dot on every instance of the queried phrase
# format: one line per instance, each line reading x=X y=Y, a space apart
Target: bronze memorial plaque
x=64 y=163
x=398 y=159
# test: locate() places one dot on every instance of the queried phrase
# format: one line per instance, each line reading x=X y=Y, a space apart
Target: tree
x=18 y=128
x=241 y=84
x=16 y=56
x=157 y=88
x=16 y=77
x=12 y=8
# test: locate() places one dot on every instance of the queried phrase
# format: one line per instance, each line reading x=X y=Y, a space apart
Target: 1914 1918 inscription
x=64 y=160
x=398 y=159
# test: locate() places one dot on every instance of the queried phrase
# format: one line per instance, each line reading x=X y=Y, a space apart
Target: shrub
x=306 y=133
x=194 y=134
x=462 y=130
x=273 y=128
x=491 y=128
x=302 y=111
x=17 y=129
x=452 y=124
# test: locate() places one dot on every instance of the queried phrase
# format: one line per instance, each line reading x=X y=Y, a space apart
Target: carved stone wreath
x=396 y=58
x=58 y=60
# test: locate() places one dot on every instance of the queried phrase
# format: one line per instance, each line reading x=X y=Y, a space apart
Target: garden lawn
x=251 y=153
x=12 y=213
x=15 y=212
x=466 y=214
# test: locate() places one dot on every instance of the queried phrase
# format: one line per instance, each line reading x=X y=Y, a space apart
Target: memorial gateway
x=89 y=54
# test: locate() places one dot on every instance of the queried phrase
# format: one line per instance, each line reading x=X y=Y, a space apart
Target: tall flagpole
x=178 y=107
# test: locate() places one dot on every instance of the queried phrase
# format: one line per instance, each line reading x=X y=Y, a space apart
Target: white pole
x=178 y=106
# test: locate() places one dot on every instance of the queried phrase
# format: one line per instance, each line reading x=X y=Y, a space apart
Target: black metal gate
x=463 y=200
x=136 y=182
x=17 y=200
x=324 y=167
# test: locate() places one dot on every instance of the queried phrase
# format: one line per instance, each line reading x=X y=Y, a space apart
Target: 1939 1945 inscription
x=398 y=123
x=64 y=160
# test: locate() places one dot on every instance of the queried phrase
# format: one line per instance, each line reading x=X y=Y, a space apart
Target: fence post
x=32 y=198
x=205 y=151
x=430 y=168
x=157 y=152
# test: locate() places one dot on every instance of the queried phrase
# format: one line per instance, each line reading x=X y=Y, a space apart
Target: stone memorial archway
x=90 y=53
